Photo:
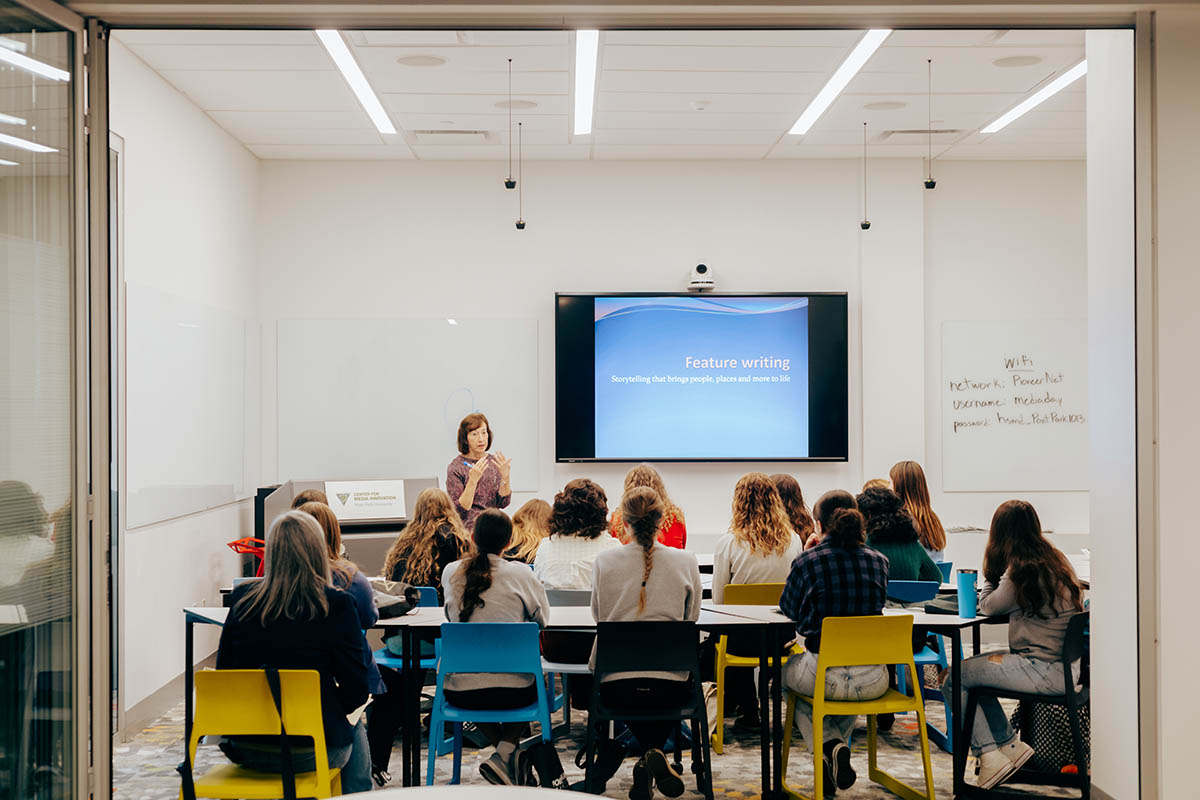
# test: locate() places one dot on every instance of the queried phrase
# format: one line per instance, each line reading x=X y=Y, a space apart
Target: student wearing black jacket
x=294 y=619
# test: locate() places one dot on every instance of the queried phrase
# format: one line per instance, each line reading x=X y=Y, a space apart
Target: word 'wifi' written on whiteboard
x=1014 y=406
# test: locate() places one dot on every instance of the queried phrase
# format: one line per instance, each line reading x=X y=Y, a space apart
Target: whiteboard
x=382 y=398
x=1014 y=406
x=191 y=405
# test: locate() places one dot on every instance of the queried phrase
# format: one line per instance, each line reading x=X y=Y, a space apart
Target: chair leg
x=566 y=683
x=679 y=745
x=435 y=727
x=1081 y=755
x=705 y=779
x=589 y=750
x=456 y=776
x=818 y=748
x=718 y=737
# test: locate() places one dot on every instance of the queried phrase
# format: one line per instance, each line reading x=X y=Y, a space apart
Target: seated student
x=759 y=548
x=432 y=540
x=672 y=531
x=890 y=531
x=309 y=496
x=1029 y=579
x=564 y=559
x=644 y=580
x=908 y=481
x=294 y=619
x=794 y=505
x=484 y=587
x=531 y=524
x=830 y=502
x=878 y=483
x=343 y=572
x=840 y=577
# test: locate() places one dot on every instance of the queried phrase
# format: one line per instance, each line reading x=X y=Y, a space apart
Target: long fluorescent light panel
x=1042 y=95
x=587 y=47
x=8 y=119
x=858 y=57
x=33 y=65
x=4 y=163
x=25 y=144
x=350 y=70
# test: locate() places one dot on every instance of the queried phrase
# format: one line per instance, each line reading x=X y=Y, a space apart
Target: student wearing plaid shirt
x=840 y=577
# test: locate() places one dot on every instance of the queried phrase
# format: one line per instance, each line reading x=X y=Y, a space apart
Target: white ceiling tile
x=958 y=70
x=677 y=152
x=240 y=123
x=674 y=136
x=234 y=90
x=703 y=83
x=609 y=120
x=719 y=59
x=734 y=38
x=311 y=136
x=393 y=79
x=485 y=122
x=723 y=103
x=500 y=153
x=213 y=37
x=330 y=152
x=474 y=104
x=233 y=57
x=403 y=38
x=381 y=61
x=1042 y=38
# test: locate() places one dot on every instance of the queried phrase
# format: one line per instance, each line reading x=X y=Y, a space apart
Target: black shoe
x=666 y=777
x=884 y=722
x=609 y=756
x=829 y=780
x=380 y=776
x=748 y=721
x=642 y=788
x=837 y=757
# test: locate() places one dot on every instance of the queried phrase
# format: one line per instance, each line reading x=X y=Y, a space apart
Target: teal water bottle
x=966 y=593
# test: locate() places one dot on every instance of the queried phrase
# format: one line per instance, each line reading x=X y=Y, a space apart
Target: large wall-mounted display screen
x=701 y=377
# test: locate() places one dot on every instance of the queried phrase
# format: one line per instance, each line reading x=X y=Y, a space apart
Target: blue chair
x=386 y=658
x=947 y=568
x=917 y=592
x=486 y=647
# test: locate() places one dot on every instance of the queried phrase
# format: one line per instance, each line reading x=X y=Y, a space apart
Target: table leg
x=764 y=673
x=412 y=707
x=777 y=713
x=188 y=680
x=961 y=738
x=976 y=631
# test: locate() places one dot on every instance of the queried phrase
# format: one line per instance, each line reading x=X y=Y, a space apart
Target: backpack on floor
x=545 y=767
x=1049 y=734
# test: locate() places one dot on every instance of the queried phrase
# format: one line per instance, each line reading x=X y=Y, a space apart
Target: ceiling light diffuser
x=587 y=48
x=8 y=119
x=33 y=65
x=4 y=163
x=858 y=57
x=25 y=144
x=336 y=47
x=1042 y=95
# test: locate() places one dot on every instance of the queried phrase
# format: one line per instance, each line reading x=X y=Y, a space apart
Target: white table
x=467 y=793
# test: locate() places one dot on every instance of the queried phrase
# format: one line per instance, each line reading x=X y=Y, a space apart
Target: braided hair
x=642 y=509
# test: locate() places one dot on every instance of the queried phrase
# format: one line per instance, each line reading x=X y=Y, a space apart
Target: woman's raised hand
x=504 y=465
x=478 y=468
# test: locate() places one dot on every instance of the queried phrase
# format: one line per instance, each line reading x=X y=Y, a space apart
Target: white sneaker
x=992 y=769
x=1018 y=753
x=496 y=770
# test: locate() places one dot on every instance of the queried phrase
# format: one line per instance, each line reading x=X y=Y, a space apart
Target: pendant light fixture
x=929 y=181
x=520 y=181
x=509 y=183
x=866 y=223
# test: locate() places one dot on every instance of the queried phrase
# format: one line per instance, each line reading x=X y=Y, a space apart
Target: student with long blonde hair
x=433 y=538
x=672 y=530
x=908 y=481
x=344 y=573
x=531 y=524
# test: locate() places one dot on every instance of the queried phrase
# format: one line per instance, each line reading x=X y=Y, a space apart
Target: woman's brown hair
x=580 y=509
x=908 y=481
x=793 y=503
x=1039 y=571
x=417 y=543
x=878 y=483
x=295 y=573
x=829 y=504
x=309 y=496
x=845 y=529
x=759 y=518
x=642 y=509
x=491 y=535
x=469 y=423
x=343 y=568
x=531 y=524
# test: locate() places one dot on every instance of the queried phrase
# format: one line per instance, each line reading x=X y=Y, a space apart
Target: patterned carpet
x=144 y=768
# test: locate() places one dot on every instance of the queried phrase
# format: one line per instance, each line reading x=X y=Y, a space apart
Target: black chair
x=1072 y=698
x=652 y=646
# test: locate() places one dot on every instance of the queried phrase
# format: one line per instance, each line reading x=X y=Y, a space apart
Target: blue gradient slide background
x=653 y=336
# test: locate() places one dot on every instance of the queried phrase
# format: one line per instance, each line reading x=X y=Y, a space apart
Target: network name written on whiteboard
x=1021 y=393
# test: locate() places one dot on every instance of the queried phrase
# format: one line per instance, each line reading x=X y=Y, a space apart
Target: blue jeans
x=1002 y=671
x=354 y=759
x=841 y=683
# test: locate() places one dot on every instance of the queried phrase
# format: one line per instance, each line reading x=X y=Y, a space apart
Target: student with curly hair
x=672 y=531
x=890 y=530
x=564 y=559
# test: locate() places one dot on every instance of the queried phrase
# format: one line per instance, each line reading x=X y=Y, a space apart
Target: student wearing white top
x=485 y=588
x=564 y=559
x=759 y=548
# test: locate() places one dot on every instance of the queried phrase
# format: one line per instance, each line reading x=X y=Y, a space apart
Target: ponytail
x=643 y=509
x=492 y=532
x=845 y=529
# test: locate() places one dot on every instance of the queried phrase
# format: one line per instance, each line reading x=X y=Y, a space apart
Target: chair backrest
x=862 y=641
x=429 y=596
x=490 y=647
x=753 y=594
x=237 y=702
x=1075 y=642
x=569 y=597
x=947 y=568
x=646 y=646
x=913 y=591
x=239 y=581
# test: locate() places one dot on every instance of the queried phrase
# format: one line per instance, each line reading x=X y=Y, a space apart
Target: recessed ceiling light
x=587 y=48
x=421 y=61
x=516 y=104
x=1017 y=61
x=33 y=65
x=1045 y=93
x=25 y=144
x=859 y=56
x=885 y=105
x=353 y=74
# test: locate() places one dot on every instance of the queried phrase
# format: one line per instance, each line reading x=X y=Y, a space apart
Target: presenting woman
x=477 y=480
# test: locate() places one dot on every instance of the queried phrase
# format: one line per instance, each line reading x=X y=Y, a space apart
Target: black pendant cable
x=929 y=181
x=866 y=223
x=509 y=183
x=520 y=182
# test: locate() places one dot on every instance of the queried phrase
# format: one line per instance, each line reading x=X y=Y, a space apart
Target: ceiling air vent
x=919 y=135
x=450 y=136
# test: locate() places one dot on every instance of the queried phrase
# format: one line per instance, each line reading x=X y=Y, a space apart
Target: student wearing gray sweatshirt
x=1029 y=579
x=644 y=580
x=484 y=587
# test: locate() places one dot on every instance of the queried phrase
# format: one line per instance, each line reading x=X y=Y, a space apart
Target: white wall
x=191 y=216
x=437 y=240
x=1177 y=328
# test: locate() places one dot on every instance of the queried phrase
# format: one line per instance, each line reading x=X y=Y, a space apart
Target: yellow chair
x=852 y=642
x=237 y=702
x=740 y=594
